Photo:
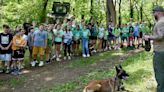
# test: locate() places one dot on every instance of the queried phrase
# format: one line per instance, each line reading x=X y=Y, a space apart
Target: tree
x=119 y=18
x=131 y=9
x=111 y=12
x=43 y=16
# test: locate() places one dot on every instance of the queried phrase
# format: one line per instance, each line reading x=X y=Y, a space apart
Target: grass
x=12 y=82
x=81 y=62
x=139 y=67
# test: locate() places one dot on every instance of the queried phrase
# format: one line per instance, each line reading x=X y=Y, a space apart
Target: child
x=5 y=48
x=131 y=36
x=30 y=43
x=67 y=42
x=111 y=36
x=18 y=52
x=58 y=40
x=40 y=43
x=93 y=37
x=85 y=41
x=136 y=34
x=76 y=40
x=100 y=37
x=49 y=43
x=116 y=33
x=105 y=48
x=124 y=34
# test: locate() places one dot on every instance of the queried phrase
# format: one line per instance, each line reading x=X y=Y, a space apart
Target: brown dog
x=108 y=85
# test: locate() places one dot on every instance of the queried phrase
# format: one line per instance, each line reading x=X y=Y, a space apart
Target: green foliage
x=14 y=12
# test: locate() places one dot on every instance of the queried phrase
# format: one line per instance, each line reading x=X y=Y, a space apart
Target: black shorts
x=93 y=38
x=57 y=42
x=18 y=55
x=76 y=41
x=141 y=34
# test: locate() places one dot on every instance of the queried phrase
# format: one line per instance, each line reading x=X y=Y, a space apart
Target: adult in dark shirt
x=5 y=48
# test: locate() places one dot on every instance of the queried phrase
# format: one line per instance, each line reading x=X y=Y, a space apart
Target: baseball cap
x=158 y=9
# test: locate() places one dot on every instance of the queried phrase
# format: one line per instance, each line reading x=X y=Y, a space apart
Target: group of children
x=48 y=41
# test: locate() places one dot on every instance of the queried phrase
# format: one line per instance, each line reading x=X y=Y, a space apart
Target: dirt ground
x=37 y=79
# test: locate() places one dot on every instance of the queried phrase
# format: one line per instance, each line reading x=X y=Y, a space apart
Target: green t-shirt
x=77 y=35
x=125 y=32
x=116 y=31
x=50 y=38
x=58 y=35
x=106 y=34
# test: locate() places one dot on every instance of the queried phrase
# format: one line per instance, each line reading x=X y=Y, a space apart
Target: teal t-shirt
x=101 y=33
x=106 y=34
x=85 y=33
x=77 y=35
x=58 y=35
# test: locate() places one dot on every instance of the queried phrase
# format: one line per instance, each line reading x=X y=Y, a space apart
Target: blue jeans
x=85 y=48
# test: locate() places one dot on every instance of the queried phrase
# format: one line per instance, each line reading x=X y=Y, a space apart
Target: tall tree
x=43 y=16
x=111 y=12
x=141 y=11
x=91 y=10
x=119 y=11
x=131 y=9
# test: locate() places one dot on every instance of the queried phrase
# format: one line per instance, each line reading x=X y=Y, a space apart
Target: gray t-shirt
x=158 y=35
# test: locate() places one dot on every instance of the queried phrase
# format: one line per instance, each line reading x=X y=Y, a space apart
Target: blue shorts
x=111 y=38
x=5 y=57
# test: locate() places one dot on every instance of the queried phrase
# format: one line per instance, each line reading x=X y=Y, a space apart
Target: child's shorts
x=38 y=50
x=18 y=55
x=5 y=57
x=131 y=38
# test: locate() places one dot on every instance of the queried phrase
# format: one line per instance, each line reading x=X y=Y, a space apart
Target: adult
x=158 y=38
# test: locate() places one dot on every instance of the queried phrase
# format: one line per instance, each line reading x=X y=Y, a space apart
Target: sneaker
x=48 y=61
x=53 y=57
x=110 y=48
x=94 y=51
x=58 y=59
x=22 y=67
x=7 y=71
x=41 y=63
x=60 y=56
x=84 y=55
x=19 y=72
x=1 y=70
x=33 y=63
x=14 y=72
x=65 y=58
x=69 y=58
x=88 y=55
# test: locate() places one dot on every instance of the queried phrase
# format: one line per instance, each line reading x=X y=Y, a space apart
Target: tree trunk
x=119 y=18
x=43 y=16
x=91 y=10
x=111 y=13
x=131 y=9
x=141 y=12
